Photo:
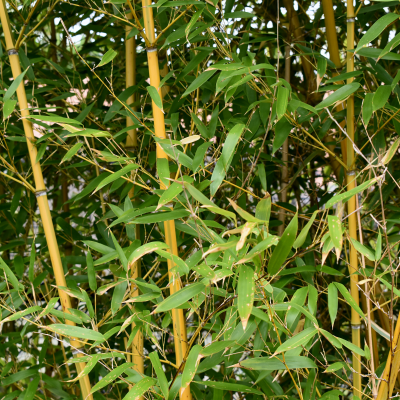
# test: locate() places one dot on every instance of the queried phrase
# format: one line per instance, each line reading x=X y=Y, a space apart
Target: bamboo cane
x=178 y=319
x=351 y=207
x=298 y=36
x=392 y=367
x=40 y=191
x=131 y=145
x=333 y=48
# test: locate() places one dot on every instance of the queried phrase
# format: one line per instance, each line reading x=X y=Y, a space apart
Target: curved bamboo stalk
x=41 y=191
x=178 y=319
x=131 y=145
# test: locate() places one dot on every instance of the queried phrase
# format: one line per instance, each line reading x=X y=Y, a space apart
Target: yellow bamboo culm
x=131 y=145
x=351 y=207
x=40 y=191
x=178 y=319
x=388 y=378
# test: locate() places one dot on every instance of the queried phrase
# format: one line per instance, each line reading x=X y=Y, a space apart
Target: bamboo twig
x=40 y=190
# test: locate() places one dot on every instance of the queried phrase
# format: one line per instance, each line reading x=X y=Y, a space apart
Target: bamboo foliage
x=166 y=262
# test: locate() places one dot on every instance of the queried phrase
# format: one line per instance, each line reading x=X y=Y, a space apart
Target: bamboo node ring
x=355 y=326
x=352 y=19
x=151 y=49
x=350 y=173
x=12 y=52
x=41 y=193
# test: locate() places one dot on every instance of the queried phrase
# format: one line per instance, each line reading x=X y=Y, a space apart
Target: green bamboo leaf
x=32 y=258
x=263 y=209
x=262 y=175
x=282 y=131
x=91 y=361
x=216 y=347
x=335 y=231
x=162 y=380
x=300 y=339
x=246 y=288
x=111 y=376
x=32 y=388
x=276 y=364
x=200 y=126
x=155 y=96
x=22 y=313
x=95 y=133
x=108 y=57
x=118 y=296
x=376 y=29
x=128 y=168
x=344 y=76
x=76 y=332
x=391 y=152
x=345 y=293
x=145 y=249
x=192 y=362
x=333 y=302
x=198 y=158
x=343 y=197
x=10 y=275
x=284 y=246
x=8 y=108
x=336 y=366
x=321 y=68
x=91 y=271
x=339 y=95
x=71 y=152
x=298 y=299
x=367 y=108
x=182 y=266
x=233 y=387
x=352 y=347
x=259 y=248
x=14 y=86
x=239 y=14
x=225 y=159
x=365 y=251
x=333 y=339
x=381 y=97
x=199 y=81
x=140 y=388
x=282 y=101
x=161 y=216
x=121 y=253
x=173 y=191
x=180 y=297
x=390 y=46
x=304 y=232
x=55 y=119
x=99 y=247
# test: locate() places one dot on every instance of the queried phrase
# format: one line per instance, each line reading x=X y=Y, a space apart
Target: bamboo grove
x=199 y=200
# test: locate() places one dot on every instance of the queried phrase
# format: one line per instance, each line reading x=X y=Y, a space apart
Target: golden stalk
x=351 y=207
x=178 y=319
x=40 y=190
